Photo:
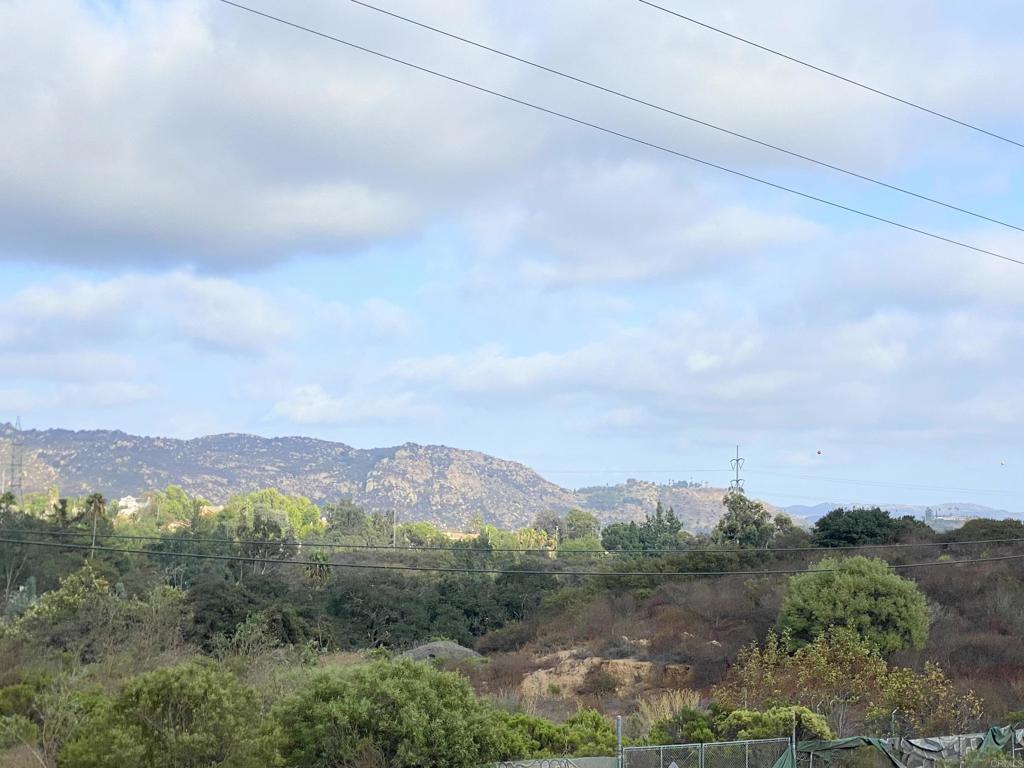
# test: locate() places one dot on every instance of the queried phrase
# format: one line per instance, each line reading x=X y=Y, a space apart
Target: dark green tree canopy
x=662 y=530
x=975 y=530
x=860 y=525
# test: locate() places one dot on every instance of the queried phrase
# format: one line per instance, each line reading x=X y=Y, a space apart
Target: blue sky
x=210 y=223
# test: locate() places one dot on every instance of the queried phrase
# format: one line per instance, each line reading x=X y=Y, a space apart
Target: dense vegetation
x=133 y=654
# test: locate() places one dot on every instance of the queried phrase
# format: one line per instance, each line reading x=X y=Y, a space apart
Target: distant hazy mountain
x=444 y=485
x=945 y=510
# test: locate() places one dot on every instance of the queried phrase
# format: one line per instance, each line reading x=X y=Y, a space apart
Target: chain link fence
x=760 y=753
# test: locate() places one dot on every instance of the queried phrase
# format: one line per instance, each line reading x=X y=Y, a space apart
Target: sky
x=210 y=223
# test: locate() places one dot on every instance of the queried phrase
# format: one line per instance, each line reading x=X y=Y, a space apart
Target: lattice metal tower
x=736 y=484
x=17 y=463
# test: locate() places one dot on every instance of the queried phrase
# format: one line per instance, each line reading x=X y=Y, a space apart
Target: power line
x=698 y=121
x=627 y=137
x=496 y=571
x=610 y=471
x=537 y=550
x=876 y=484
x=836 y=75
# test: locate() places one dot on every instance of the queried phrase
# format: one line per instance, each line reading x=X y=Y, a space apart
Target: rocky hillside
x=444 y=485
x=700 y=507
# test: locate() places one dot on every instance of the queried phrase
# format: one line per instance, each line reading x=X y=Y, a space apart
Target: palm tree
x=97 y=505
x=318 y=571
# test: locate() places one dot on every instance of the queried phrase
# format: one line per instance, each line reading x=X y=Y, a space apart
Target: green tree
x=296 y=515
x=662 y=530
x=584 y=734
x=859 y=526
x=318 y=571
x=843 y=678
x=977 y=530
x=746 y=523
x=687 y=726
x=263 y=538
x=95 y=510
x=550 y=522
x=774 y=723
x=171 y=505
x=621 y=537
x=400 y=714
x=193 y=715
x=579 y=524
x=7 y=502
x=859 y=593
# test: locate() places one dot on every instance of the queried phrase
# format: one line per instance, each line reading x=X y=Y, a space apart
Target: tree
x=318 y=571
x=194 y=715
x=773 y=723
x=976 y=530
x=263 y=538
x=859 y=593
x=549 y=522
x=172 y=505
x=846 y=680
x=296 y=515
x=662 y=530
x=579 y=524
x=621 y=537
x=95 y=509
x=746 y=523
x=7 y=502
x=858 y=526
x=401 y=714
x=687 y=726
x=525 y=736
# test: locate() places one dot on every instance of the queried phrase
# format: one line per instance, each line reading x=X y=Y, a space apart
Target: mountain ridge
x=437 y=483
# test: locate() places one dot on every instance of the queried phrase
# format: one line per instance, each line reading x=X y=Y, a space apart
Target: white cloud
x=191 y=132
x=312 y=404
x=211 y=312
x=629 y=222
x=705 y=369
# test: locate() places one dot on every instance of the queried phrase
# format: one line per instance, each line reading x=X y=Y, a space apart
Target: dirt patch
x=565 y=673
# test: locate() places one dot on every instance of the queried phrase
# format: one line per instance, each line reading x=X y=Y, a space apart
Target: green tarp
x=993 y=740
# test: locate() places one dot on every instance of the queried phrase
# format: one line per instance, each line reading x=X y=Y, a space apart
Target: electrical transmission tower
x=736 y=484
x=17 y=463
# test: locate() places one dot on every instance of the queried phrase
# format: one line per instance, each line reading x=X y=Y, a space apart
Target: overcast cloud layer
x=209 y=222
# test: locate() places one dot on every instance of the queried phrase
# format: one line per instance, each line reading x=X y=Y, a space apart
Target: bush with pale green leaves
x=197 y=715
x=860 y=594
x=773 y=723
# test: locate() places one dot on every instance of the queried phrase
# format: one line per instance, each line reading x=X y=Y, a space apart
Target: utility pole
x=95 y=514
x=736 y=484
x=17 y=464
x=394 y=528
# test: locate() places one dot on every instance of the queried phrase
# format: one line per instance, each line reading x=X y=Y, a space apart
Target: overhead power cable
x=625 y=136
x=698 y=121
x=496 y=571
x=486 y=550
x=874 y=484
x=776 y=473
x=836 y=75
